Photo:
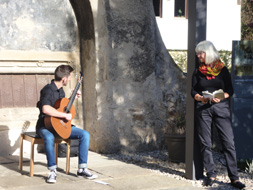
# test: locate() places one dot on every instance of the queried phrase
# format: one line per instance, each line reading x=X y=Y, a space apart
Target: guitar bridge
x=63 y=124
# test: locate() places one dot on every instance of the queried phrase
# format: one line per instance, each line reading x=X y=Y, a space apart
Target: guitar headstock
x=80 y=78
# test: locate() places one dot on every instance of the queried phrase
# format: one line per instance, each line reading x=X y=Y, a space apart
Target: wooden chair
x=33 y=138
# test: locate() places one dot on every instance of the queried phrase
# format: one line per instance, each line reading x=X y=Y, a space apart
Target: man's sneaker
x=86 y=173
x=52 y=176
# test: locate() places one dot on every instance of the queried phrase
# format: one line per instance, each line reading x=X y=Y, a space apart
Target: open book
x=216 y=94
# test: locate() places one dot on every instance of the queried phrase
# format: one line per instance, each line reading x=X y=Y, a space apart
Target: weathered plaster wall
x=137 y=82
x=37 y=25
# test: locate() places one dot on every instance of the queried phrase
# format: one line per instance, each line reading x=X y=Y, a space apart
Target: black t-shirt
x=201 y=83
x=48 y=96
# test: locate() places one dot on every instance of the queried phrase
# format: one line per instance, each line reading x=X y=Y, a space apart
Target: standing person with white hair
x=212 y=75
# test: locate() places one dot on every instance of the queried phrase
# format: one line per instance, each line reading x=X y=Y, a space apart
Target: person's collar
x=55 y=86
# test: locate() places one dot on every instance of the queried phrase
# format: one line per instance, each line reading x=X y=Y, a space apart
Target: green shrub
x=246 y=20
x=249 y=168
x=180 y=58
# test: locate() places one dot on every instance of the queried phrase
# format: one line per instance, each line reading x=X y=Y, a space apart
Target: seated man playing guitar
x=49 y=96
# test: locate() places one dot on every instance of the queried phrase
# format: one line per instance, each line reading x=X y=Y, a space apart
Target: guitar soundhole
x=65 y=110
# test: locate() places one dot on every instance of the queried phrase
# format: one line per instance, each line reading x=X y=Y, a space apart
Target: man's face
x=67 y=79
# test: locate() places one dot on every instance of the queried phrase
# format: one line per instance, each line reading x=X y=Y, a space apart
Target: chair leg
x=68 y=157
x=21 y=153
x=32 y=158
x=56 y=152
x=32 y=155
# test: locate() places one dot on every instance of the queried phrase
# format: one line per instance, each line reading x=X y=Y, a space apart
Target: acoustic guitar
x=60 y=126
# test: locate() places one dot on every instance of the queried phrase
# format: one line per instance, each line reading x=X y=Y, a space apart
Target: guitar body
x=59 y=126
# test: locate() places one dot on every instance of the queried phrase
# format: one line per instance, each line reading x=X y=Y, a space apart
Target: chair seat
x=33 y=138
x=31 y=134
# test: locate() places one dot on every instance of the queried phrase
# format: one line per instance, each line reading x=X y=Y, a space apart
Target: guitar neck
x=72 y=98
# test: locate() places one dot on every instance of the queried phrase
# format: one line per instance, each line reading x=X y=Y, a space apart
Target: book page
x=216 y=94
x=219 y=94
x=207 y=94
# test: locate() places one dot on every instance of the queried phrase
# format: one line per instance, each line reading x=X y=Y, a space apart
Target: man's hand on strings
x=68 y=116
x=78 y=94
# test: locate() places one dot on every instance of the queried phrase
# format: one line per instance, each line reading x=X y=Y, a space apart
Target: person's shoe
x=86 y=173
x=52 y=177
x=238 y=184
x=209 y=181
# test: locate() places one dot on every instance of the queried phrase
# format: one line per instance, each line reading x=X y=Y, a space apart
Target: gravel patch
x=158 y=162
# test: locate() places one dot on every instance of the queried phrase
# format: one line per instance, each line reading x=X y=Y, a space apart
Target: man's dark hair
x=62 y=71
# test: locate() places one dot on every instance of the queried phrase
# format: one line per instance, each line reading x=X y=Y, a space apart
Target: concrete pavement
x=113 y=174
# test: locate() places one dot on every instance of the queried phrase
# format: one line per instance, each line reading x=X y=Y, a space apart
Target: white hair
x=211 y=52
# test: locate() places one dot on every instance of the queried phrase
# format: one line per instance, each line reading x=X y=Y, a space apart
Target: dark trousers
x=219 y=115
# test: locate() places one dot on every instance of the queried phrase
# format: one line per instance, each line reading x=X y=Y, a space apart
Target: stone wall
x=137 y=82
x=37 y=25
x=132 y=89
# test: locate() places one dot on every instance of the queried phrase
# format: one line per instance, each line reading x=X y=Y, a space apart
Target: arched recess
x=35 y=39
x=129 y=77
x=84 y=17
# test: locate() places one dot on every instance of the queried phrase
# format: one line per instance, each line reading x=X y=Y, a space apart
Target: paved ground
x=113 y=174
